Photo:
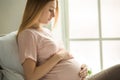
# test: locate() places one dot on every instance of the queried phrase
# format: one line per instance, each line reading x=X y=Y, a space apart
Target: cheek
x=44 y=18
x=46 y=14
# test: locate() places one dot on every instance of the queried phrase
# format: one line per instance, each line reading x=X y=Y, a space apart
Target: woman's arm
x=34 y=73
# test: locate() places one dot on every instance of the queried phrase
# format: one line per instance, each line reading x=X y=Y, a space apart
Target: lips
x=49 y=19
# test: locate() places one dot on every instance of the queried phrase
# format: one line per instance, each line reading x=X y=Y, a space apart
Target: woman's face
x=48 y=12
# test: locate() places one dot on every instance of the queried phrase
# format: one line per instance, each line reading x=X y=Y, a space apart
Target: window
x=92 y=31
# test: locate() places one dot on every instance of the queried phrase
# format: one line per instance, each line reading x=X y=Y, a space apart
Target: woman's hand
x=63 y=54
x=83 y=71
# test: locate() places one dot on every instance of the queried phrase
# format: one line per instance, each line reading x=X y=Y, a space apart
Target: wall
x=11 y=12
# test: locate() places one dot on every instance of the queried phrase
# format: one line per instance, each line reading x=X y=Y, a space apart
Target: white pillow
x=1 y=74
x=9 y=53
x=11 y=75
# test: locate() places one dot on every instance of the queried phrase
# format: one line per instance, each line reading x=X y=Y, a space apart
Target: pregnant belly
x=65 y=70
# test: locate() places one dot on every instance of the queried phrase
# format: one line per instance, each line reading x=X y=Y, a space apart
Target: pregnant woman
x=40 y=54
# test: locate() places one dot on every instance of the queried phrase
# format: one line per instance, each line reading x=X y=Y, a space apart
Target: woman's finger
x=83 y=69
x=83 y=75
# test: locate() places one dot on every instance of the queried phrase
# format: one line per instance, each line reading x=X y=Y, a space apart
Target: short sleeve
x=27 y=45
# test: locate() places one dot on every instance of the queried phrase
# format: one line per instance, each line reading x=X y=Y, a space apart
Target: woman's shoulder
x=27 y=33
x=45 y=33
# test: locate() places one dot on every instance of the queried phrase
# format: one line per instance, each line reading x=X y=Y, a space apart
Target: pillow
x=11 y=75
x=1 y=75
x=9 y=58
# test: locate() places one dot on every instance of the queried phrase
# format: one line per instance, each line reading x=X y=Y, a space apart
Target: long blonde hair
x=32 y=12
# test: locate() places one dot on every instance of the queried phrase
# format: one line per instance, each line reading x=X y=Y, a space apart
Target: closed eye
x=51 y=10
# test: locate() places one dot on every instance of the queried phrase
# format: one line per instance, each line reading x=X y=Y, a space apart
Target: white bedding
x=9 y=57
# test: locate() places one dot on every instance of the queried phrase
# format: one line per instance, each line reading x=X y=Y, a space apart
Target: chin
x=45 y=23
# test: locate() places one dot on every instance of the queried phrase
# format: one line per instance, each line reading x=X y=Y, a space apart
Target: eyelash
x=50 y=10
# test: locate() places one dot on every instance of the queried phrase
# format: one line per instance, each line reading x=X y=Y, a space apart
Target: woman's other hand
x=64 y=54
x=83 y=71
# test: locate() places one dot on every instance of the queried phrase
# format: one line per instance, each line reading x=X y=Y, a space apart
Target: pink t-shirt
x=39 y=46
